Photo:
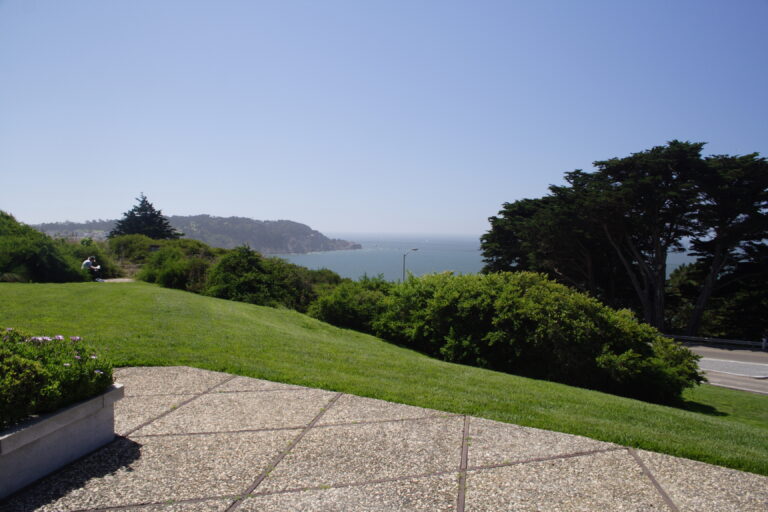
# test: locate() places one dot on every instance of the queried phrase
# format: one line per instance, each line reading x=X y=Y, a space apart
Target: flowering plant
x=40 y=374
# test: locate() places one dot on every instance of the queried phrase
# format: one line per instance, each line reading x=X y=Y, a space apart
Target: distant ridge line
x=265 y=236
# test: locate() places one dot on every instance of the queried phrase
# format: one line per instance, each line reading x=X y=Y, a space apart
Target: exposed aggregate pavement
x=196 y=440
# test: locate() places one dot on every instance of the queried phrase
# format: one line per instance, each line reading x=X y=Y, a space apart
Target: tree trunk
x=642 y=290
x=654 y=278
x=660 y=284
x=694 y=321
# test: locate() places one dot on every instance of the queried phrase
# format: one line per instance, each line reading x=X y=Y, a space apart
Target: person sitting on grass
x=92 y=268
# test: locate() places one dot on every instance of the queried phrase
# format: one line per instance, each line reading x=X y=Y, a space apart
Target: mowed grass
x=136 y=324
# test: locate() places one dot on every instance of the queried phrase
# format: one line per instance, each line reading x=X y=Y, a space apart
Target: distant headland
x=265 y=236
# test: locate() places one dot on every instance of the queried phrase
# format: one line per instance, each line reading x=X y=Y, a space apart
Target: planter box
x=33 y=449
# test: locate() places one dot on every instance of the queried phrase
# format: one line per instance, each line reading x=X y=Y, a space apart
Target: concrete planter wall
x=30 y=451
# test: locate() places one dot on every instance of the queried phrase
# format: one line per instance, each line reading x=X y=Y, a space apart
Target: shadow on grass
x=699 y=408
x=117 y=455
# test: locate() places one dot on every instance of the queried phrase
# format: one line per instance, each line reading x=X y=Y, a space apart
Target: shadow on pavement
x=118 y=454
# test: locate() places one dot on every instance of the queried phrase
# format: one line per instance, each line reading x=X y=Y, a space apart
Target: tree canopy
x=610 y=232
x=144 y=219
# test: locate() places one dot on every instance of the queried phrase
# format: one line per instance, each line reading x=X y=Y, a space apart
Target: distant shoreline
x=268 y=237
x=386 y=255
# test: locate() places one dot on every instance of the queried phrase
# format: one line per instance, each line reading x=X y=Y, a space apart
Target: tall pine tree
x=144 y=219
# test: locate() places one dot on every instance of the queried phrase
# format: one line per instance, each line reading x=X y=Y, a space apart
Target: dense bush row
x=42 y=374
x=521 y=323
x=239 y=274
x=26 y=255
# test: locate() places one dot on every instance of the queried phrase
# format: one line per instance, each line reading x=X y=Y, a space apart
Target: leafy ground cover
x=40 y=374
x=135 y=324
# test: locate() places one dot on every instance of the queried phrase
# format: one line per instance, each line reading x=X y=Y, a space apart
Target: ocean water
x=383 y=254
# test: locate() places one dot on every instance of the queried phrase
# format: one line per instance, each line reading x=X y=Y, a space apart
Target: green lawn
x=139 y=324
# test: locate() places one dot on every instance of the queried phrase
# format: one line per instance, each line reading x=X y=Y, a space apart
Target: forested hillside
x=267 y=237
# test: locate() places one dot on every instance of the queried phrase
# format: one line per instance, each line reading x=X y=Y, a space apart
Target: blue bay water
x=383 y=254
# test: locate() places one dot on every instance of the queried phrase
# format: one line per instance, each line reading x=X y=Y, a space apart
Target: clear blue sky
x=389 y=116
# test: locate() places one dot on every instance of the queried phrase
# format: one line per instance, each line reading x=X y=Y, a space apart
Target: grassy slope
x=138 y=324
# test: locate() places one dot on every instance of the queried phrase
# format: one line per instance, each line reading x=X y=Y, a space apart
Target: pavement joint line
x=179 y=406
x=656 y=484
x=297 y=427
x=157 y=394
x=221 y=392
x=362 y=483
x=273 y=464
x=464 y=467
x=229 y=391
x=132 y=506
x=392 y=420
x=216 y=432
x=546 y=459
x=233 y=501
x=461 y=498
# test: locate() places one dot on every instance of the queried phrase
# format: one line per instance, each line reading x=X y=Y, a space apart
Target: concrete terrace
x=196 y=440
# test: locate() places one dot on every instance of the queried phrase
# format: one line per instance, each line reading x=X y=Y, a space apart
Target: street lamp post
x=404 y=255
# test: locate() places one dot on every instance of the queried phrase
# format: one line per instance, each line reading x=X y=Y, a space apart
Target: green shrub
x=195 y=248
x=526 y=324
x=42 y=374
x=245 y=276
x=294 y=286
x=24 y=383
x=183 y=274
x=80 y=252
x=352 y=304
x=28 y=255
x=134 y=248
x=173 y=274
x=196 y=274
x=182 y=264
x=165 y=258
x=289 y=285
x=241 y=275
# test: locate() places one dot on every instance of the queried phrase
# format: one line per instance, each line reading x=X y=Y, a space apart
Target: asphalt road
x=735 y=368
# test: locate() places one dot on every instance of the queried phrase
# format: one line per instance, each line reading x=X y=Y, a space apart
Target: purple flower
x=75 y=338
x=93 y=356
x=67 y=364
x=9 y=329
x=99 y=372
x=77 y=357
x=45 y=338
x=58 y=337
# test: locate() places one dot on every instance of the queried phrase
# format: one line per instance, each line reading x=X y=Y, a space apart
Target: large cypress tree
x=144 y=219
x=610 y=232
